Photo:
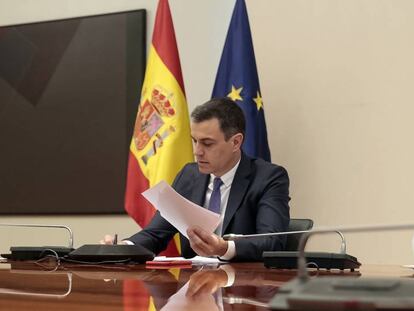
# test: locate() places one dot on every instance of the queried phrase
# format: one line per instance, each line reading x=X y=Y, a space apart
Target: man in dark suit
x=253 y=194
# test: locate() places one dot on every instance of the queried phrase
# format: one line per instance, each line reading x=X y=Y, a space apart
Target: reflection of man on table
x=215 y=288
x=250 y=194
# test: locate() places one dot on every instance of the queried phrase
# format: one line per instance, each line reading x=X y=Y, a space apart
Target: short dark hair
x=226 y=111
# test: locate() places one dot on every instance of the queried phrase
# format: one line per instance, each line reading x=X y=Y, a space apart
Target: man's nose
x=198 y=150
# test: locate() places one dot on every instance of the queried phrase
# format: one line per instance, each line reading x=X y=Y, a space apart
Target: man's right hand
x=108 y=239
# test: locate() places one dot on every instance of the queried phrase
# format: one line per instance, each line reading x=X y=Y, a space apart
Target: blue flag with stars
x=237 y=79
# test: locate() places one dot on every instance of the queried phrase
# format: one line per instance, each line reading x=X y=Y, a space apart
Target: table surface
x=44 y=286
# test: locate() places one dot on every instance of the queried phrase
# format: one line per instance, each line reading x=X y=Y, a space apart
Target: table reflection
x=133 y=287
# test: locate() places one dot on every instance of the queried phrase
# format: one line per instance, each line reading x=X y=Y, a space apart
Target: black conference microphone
x=36 y=252
x=342 y=293
x=289 y=259
x=86 y=254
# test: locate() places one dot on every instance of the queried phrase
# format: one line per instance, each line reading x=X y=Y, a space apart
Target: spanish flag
x=161 y=143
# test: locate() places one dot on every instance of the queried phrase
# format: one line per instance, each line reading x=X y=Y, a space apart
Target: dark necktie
x=215 y=198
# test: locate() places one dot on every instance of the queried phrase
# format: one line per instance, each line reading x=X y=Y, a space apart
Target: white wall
x=336 y=80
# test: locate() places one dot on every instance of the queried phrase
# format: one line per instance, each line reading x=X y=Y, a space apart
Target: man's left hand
x=206 y=244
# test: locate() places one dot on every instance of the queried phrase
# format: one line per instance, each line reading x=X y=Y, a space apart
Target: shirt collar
x=228 y=177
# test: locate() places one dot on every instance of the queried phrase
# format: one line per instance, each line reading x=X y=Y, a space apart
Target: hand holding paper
x=179 y=211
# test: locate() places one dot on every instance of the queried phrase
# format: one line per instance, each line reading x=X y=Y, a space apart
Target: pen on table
x=115 y=239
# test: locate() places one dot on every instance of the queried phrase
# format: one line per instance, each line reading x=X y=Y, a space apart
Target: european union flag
x=237 y=78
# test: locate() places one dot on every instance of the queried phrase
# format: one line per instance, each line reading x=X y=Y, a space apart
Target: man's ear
x=237 y=141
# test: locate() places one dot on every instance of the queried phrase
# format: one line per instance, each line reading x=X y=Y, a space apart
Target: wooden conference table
x=30 y=286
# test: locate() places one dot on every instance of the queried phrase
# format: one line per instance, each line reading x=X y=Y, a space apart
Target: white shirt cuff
x=128 y=242
x=231 y=251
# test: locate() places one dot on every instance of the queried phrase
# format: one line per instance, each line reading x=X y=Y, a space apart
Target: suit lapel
x=199 y=190
x=238 y=190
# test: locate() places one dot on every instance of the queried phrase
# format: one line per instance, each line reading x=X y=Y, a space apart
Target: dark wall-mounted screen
x=69 y=93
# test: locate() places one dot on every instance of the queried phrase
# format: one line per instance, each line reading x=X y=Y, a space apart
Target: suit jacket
x=258 y=203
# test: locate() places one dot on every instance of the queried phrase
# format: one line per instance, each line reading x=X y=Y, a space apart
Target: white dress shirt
x=227 y=180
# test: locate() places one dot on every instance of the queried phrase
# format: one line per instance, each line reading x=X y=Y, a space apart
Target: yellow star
x=235 y=93
x=259 y=101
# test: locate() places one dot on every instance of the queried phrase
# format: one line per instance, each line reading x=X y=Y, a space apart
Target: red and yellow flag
x=161 y=143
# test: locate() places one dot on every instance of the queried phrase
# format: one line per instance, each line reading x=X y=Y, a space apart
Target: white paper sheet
x=179 y=211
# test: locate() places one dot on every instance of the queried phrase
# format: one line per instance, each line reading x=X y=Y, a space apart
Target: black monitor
x=69 y=94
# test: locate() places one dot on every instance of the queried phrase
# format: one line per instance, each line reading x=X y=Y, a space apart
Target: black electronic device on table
x=102 y=253
x=36 y=252
x=338 y=293
x=89 y=253
x=320 y=260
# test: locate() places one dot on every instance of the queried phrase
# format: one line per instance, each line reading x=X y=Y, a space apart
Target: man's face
x=213 y=153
